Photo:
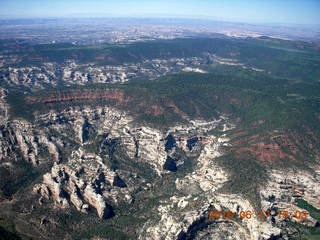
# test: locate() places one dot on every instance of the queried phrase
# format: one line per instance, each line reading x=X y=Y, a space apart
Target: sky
x=249 y=11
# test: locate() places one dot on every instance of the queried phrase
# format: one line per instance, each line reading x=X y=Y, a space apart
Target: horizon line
x=193 y=18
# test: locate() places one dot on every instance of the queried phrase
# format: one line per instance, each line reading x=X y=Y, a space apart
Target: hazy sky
x=254 y=11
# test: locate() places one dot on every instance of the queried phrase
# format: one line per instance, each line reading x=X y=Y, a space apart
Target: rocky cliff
x=98 y=159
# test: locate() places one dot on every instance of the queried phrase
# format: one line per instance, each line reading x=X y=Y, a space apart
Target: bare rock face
x=3 y=106
x=22 y=139
x=7 y=143
x=25 y=139
x=104 y=210
x=7 y=138
x=284 y=188
x=253 y=227
x=66 y=186
x=86 y=179
x=208 y=176
x=85 y=175
x=186 y=213
x=148 y=146
x=39 y=77
x=95 y=200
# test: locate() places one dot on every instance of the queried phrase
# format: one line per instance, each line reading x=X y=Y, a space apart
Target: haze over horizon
x=254 y=11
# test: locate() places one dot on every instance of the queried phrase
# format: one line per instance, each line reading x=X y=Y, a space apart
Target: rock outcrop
x=285 y=188
x=185 y=215
x=97 y=140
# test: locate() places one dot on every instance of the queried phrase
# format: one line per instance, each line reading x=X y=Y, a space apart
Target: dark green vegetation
x=6 y=235
x=17 y=109
x=248 y=176
x=23 y=175
x=8 y=231
x=301 y=232
x=294 y=60
x=314 y=212
x=237 y=93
